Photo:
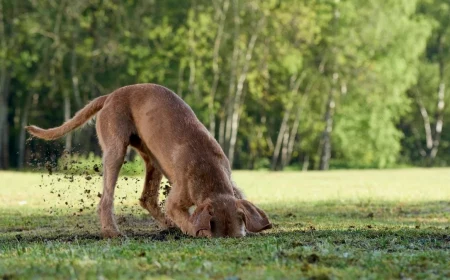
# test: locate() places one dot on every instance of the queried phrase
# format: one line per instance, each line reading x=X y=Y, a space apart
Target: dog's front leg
x=149 y=197
x=180 y=216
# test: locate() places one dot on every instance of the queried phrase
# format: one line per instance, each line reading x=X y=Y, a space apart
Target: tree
x=428 y=94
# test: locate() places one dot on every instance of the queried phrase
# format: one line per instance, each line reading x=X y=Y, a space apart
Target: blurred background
x=291 y=84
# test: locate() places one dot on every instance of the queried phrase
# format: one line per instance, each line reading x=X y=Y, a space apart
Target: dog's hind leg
x=112 y=162
x=112 y=134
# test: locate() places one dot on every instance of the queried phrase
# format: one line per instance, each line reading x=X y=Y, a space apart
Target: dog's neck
x=212 y=187
x=213 y=182
x=207 y=178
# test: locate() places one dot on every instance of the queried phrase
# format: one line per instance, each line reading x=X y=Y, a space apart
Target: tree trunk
x=4 y=94
x=75 y=82
x=267 y=138
x=432 y=138
x=233 y=73
x=221 y=15
x=292 y=137
x=192 y=86
x=433 y=134
x=294 y=130
x=67 y=115
x=4 y=140
x=326 y=140
x=325 y=155
x=440 y=104
x=326 y=135
x=426 y=125
x=4 y=148
x=305 y=163
x=22 y=135
x=295 y=82
x=284 y=149
x=239 y=90
x=277 y=148
x=439 y=123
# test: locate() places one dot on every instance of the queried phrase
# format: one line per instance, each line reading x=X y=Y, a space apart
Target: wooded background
x=306 y=84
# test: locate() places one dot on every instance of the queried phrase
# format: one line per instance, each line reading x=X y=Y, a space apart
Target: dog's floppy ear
x=254 y=218
x=201 y=218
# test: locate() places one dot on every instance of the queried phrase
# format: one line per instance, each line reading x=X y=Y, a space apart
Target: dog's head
x=227 y=216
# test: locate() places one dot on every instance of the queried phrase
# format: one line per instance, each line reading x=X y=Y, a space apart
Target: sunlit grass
x=338 y=224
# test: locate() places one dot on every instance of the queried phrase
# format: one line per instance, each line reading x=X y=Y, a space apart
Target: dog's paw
x=204 y=233
x=168 y=223
x=110 y=233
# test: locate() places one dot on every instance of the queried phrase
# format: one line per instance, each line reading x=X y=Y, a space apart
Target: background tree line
x=302 y=83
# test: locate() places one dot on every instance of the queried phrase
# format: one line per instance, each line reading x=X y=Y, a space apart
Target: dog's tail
x=78 y=120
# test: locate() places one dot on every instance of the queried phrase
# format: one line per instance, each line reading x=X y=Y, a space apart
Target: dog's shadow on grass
x=422 y=239
x=69 y=237
x=375 y=238
x=69 y=228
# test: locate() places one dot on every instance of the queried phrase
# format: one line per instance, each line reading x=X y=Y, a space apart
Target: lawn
x=330 y=225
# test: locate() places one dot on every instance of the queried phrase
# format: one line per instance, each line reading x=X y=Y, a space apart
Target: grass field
x=334 y=225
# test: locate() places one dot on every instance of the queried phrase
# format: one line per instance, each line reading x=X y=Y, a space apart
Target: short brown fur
x=174 y=143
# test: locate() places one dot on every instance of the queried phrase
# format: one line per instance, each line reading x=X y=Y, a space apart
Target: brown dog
x=172 y=142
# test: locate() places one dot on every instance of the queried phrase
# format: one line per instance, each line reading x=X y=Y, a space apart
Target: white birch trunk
x=239 y=90
x=292 y=138
x=221 y=16
x=281 y=132
x=233 y=72
x=439 y=122
x=326 y=135
x=295 y=82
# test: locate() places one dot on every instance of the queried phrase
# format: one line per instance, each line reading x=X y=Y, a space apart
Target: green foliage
x=379 y=59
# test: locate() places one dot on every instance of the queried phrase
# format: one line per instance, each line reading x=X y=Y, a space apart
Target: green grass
x=333 y=225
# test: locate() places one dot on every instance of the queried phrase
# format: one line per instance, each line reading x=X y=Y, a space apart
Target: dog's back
x=167 y=126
